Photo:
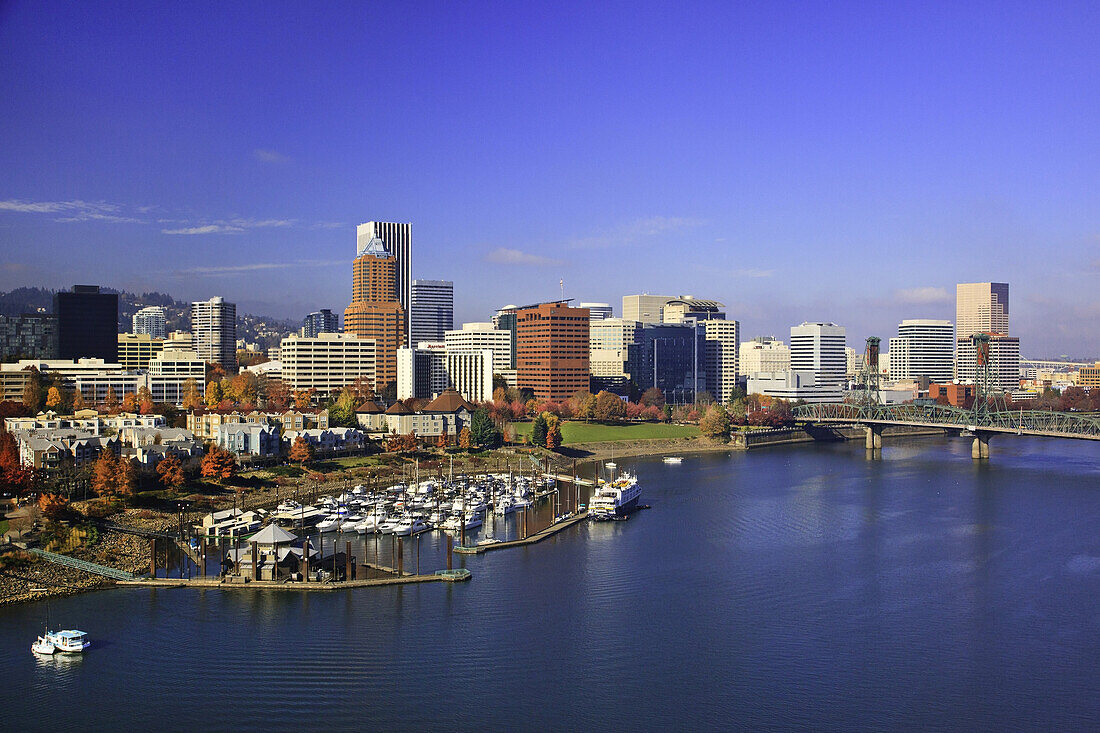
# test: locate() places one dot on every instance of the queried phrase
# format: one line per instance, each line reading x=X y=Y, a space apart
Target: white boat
x=330 y=523
x=487 y=536
x=410 y=526
x=615 y=499
x=43 y=645
x=674 y=460
x=69 y=641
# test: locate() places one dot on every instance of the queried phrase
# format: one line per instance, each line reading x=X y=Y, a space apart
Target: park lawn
x=573 y=431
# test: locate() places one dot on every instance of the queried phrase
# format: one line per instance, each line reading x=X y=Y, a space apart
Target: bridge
x=982 y=423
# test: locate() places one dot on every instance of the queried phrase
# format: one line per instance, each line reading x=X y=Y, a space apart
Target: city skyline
x=905 y=152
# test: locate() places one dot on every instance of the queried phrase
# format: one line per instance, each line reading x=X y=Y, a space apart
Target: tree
x=553 y=437
x=609 y=407
x=301 y=451
x=277 y=395
x=653 y=397
x=218 y=464
x=78 y=400
x=125 y=477
x=500 y=394
x=111 y=400
x=583 y=404
x=192 y=398
x=464 y=439
x=538 y=430
x=441 y=442
x=170 y=471
x=53 y=506
x=14 y=477
x=105 y=474
x=34 y=394
x=482 y=431
x=341 y=412
x=214 y=372
x=129 y=402
x=246 y=386
x=715 y=423
x=53 y=398
x=304 y=398
x=213 y=393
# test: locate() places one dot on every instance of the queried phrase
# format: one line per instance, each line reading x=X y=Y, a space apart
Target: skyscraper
x=375 y=312
x=922 y=348
x=552 y=349
x=819 y=348
x=151 y=320
x=598 y=311
x=433 y=310
x=87 y=323
x=981 y=308
x=397 y=241
x=322 y=321
x=214 y=331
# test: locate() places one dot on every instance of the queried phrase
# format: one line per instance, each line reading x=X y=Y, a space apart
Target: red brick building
x=552 y=349
x=958 y=395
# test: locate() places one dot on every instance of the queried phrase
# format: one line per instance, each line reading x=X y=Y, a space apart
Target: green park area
x=573 y=431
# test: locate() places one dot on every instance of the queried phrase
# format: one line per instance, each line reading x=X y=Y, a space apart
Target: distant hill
x=265 y=331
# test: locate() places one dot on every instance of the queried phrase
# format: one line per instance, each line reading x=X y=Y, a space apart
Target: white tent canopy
x=272 y=534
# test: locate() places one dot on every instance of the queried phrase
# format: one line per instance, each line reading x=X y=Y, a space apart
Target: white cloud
x=270 y=156
x=258 y=266
x=506 y=256
x=923 y=295
x=74 y=211
x=206 y=229
x=636 y=231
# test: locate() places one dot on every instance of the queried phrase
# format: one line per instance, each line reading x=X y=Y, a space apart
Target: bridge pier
x=873 y=441
x=979 y=449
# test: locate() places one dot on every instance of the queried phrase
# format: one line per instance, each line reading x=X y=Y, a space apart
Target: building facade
x=478 y=336
x=214 y=332
x=327 y=363
x=552 y=349
x=375 y=312
x=597 y=311
x=723 y=340
x=819 y=348
x=792 y=385
x=135 y=351
x=433 y=310
x=670 y=357
x=28 y=336
x=396 y=239
x=981 y=308
x=87 y=323
x=609 y=344
x=322 y=321
x=645 y=308
x=923 y=348
x=151 y=320
x=763 y=354
x=1004 y=361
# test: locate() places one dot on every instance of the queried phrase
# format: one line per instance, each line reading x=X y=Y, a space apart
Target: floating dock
x=536 y=537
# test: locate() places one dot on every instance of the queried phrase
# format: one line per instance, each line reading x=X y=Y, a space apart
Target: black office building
x=671 y=357
x=87 y=322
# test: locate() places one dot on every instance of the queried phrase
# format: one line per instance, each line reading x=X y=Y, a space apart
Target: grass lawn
x=580 y=432
x=3 y=526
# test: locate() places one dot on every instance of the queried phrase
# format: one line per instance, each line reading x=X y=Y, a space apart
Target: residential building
x=87 y=322
x=396 y=240
x=375 y=313
x=252 y=439
x=151 y=320
x=923 y=348
x=722 y=344
x=792 y=385
x=214 y=332
x=763 y=354
x=446 y=415
x=328 y=363
x=819 y=348
x=483 y=335
x=433 y=310
x=322 y=321
x=29 y=336
x=1004 y=361
x=597 y=311
x=552 y=349
x=645 y=308
x=135 y=351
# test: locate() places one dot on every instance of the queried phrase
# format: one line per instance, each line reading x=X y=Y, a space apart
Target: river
x=797 y=587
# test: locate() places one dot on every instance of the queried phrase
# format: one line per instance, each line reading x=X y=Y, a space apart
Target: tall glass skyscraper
x=433 y=310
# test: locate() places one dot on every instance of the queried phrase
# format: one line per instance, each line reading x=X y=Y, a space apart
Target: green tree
x=341 y=412
x=482 y=430
x=715 y=423
x=609 y=407
x=538 y=430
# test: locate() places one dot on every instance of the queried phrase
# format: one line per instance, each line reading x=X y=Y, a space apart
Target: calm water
x=787 y=588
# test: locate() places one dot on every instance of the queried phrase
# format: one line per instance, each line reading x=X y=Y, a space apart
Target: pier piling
x=347 y=560
x=153 y=556
x=400 y=556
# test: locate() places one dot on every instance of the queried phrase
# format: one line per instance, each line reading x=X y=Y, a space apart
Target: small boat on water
x=674 y=460
x=616 y=498
x=43 y=646
x=69 y=641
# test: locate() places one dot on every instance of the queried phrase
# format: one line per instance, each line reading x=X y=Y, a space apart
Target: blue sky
x=797 y=161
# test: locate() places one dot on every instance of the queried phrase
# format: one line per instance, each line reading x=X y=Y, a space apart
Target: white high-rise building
x=608 y=342
x=763 y=354
x=151 y=320
x=433 y=309
x=819 y=348
x=1004 y=361
x=723 y=341
x=328 y=362
x=923 y=348
x=597 y=311
x=482 y=335
x=645 y=308
x=214 y=332
x=397 y=240
x=429 y=369
x=981 y=308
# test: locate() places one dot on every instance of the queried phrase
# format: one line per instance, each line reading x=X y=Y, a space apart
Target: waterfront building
x=396 y=240
x=87 y=322
x=609 y=344
x=955 y=394
x=552 y=349
x=819 y=348
x=478 y=336
x=375 y=312
x=329 y=362
x=722 y=345
x=433 y=309
x=214 y=331
x=597 y=311
x=923 y=348
x=135 y=351
x=763 y=354
x=793 y=385
x=322 y=321
x=253 y=439
x=151 y=320
x=28 y=336
x=645 y=308
x=671 y=357
x=1004 y=361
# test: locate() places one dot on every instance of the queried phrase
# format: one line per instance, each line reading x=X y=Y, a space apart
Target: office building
x=723 y=339
x=609 y=344
x=923 y=348
x=396 y=239
x=645 y=308
x=792 y=385
x=688 y=308
x=214 y=332
x=322 y=321
x=375 y=312
x=552 y=349
x=431 y=369
x=1004 y=362
x=1089 y=377
x=433 y=310
x=505 y=320
x=597 y=311
x=328 y=362
x=763 y=354
x=135 y=351
x=151 y=320
x=87 y=323
x=483 y=335
x=818 y=348
x=29 y=336
x=981 y=308
x=671 y=357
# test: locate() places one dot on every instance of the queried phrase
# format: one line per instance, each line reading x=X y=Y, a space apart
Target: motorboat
x=331 y=523
x=409 y=526
x=674 y=460
x=43 y=645
x=68 y=641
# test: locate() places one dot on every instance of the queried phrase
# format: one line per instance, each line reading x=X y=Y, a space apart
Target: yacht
x=674 y=460
x=616 y=498
x=409 y=526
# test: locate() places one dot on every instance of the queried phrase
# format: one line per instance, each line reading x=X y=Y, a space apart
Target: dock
x=553 y=529
x=250 y=584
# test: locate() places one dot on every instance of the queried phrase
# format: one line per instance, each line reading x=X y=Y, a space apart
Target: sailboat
x=488 y=538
